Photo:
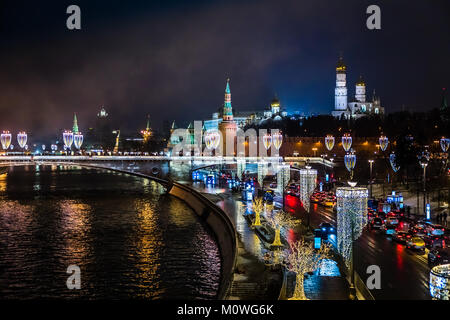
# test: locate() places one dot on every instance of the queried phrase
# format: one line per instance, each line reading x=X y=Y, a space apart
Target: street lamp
x=424 y=165
x=370 y=164
x=315 y=150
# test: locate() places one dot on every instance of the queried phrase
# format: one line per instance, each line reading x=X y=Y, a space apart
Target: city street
x=404 y=273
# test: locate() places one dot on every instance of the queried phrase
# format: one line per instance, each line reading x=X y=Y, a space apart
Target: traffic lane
x=404 y=273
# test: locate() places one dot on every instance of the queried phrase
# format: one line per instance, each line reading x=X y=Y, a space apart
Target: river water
x=129 y=239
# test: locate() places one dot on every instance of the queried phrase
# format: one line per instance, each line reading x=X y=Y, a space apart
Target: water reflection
x=129 y=238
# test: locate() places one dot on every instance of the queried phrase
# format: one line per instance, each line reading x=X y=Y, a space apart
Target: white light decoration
x=329 y=142
x=54 y=147
x=350 y=161
x=384 y=142
x=283 y=176
x=440 y=282
x=68 y=139
x=346 y=142
x=277 y=140
x=308 y=178
x=5 y=139
x=240 y=167
x=78 y=140
x=43 y=147
x=212 y=139
x=267 y=141
x=262 y=171
x=445 y=143
x=351 y=212
x=22 y=138
x=393 y=161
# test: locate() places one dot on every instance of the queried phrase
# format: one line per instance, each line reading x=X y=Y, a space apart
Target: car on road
x=389 y=229
x=415 y=243
x=376 y=223
x=268 y=196
x=401 y=236
x=326 y=229
x=438 y=256
x=434 y=229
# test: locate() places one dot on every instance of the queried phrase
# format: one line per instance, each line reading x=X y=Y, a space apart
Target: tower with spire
x=146 y=134
x=340 y=92
x=75 y=124
x=228 y=126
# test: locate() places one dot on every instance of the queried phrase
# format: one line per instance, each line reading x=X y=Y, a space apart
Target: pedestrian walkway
x=253 y=279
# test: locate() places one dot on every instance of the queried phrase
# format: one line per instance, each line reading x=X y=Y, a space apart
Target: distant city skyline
x=140 y=58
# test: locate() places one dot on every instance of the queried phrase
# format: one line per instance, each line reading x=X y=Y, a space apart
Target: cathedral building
x=358 y=106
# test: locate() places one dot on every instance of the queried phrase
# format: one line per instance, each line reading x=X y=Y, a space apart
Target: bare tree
x=303 y=258
x=258 y=208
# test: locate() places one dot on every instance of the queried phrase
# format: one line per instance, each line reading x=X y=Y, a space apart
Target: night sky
x=171 y=58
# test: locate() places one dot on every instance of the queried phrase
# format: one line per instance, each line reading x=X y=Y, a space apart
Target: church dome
x=341 y=65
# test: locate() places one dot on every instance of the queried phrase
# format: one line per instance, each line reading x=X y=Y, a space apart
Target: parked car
x=438 y=256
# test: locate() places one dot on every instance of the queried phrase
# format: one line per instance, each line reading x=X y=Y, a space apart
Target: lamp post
x=424 y=165
x=370 y=182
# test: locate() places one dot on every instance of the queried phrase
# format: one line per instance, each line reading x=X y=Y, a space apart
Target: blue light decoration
x=392 y=160
x=440 y=282
x=428 y=211
x=346 y=142
x=327 y=178
x=445 y=144
x=384 y=142
x=317 y=238
x=350 y=161
x=321 y=186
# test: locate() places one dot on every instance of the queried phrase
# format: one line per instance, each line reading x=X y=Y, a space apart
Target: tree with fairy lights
x=258 y=208
x=277 y=220
x=302 y=258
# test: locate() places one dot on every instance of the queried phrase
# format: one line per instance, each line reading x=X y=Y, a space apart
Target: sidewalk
x=258 y=282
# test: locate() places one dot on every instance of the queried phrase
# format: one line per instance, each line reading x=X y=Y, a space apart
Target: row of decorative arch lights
x=69 y=138
x=212 y=140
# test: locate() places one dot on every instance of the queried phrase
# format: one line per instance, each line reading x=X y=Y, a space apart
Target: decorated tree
x=303 y=258
x=277 y=220
x=258 y=208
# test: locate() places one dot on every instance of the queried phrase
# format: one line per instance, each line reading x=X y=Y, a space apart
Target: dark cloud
x=171 y=59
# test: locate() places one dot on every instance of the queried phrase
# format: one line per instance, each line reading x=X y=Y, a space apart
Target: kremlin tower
x=228 y=126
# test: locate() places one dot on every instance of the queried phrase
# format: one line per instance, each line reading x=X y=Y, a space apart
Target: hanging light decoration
x=267 y=141
x=329 y=142
x=308 y=178
x=78 y=140
x=43 y=147
x=277 y=140
x=350 y=161
x=68 y=139
x=212 y=139
x=54 y=147
x=5 y=139
x=22 y=138
x=346 y=142
x=384 y=142
x=207 y=140
x=392 y=160
x=351 y=218
x=445 y=143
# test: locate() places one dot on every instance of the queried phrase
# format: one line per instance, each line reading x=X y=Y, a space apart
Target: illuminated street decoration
x=6 y=139
x=262 y=171
x=329 y=142
x=277 y=140
x=393 y=161
x=445 y=143
x=54 y=147
x=384 y=142
x=267 y=141
x=351 y=218
x=440 y=282
x=283 y=177
x=68 y=139
x=22 y=138
x=350 y=162
x=308 y=178
x=78 y=140
x=212 y=139
x=346 y=142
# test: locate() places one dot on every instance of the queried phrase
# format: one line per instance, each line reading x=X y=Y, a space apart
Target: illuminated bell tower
x=340 y=93
x=360 y=93
x=228 y=126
